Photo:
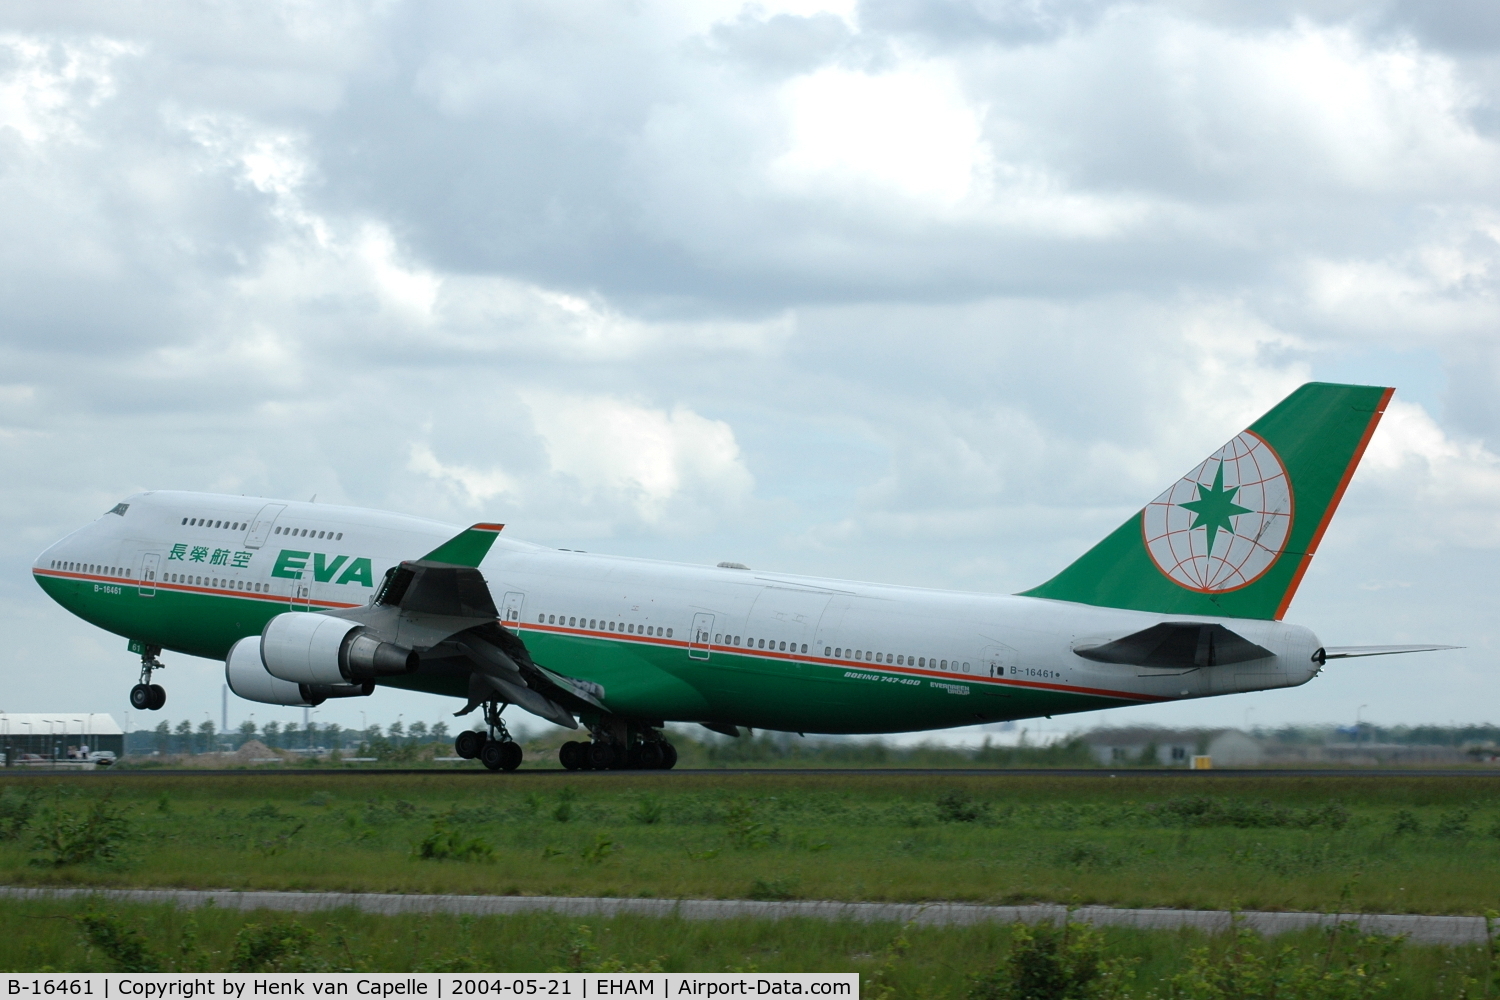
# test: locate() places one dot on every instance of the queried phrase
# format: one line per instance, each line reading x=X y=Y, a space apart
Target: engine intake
x=248 y=677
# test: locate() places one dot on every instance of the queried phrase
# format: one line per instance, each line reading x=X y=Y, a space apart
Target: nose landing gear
x=145 y=696
x=495 y=749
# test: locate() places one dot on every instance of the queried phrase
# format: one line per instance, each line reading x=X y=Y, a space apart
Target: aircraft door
x=510 y=611
x=702 y=637
x=302 y=593
x=260 y=528
x=996 y=660
x=150 y=564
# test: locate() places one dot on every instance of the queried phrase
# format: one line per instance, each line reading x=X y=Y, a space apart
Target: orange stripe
x=185 y=588
x=487 y=527
x=888 y=668
x=1338 y=495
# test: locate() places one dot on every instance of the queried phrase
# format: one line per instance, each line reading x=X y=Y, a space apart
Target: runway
x=540 y=774
x=1417 y=928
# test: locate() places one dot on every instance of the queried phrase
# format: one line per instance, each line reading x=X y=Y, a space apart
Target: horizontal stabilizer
x=468 y=547
x=1345 y=652
x=1182 y=645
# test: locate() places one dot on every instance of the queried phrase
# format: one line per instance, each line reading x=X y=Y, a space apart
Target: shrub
x=1048 y=963
x=1353 y=966
x=280 y=946
x=959 y=807
x=603 y=847
x=1405 y=821
x=1452 y=824
x=745 y=830
x=98 y=833
x=16 y=811
x=124 y=946
x=445 y=843
x=648 y=811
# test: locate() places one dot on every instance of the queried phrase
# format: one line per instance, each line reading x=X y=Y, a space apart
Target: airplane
x=305 y=602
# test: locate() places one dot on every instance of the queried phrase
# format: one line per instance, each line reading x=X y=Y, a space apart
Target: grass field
x=1421 y=845
x=893 y=961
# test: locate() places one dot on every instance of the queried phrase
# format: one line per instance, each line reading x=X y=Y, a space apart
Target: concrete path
x=1417 y=928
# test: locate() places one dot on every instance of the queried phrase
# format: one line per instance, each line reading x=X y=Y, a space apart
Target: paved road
x=980 y=772
x=1417 y=928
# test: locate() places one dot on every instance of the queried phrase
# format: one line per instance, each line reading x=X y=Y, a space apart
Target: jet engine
x=307 y=648
x=247 y=676
x=304 y=659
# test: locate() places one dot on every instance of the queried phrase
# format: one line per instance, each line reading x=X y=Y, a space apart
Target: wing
x=440 y=606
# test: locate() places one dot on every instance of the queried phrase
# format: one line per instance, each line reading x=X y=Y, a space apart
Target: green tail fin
x=1235 y=535
x=468 y=547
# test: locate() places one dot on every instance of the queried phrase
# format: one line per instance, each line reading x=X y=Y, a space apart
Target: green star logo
x=1214 y=507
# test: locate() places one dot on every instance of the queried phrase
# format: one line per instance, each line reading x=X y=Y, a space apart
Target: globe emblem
x=1222 y=525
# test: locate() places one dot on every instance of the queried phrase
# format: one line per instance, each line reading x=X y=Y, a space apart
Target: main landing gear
x=494 y=748
x=145 y=696
x=617 y=748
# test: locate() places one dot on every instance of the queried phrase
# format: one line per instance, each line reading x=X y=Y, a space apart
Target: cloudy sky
x=922 y=291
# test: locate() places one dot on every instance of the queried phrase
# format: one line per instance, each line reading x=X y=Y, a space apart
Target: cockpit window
x=119 y=508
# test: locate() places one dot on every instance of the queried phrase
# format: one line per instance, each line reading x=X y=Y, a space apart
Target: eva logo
x=1222 y=525
x=292 y=565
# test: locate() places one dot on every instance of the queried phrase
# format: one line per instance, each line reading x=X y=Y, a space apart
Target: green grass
x=1418 y=845
x=84 y=936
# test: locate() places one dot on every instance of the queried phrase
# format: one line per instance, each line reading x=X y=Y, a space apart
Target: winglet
x=468 y=547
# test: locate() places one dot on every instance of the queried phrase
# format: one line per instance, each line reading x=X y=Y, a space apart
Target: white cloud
x=51 y=84
x=652 y=459
x=907 y=132
x=1438 y=490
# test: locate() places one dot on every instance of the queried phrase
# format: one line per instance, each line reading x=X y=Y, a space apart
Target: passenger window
x=184 y=520
x=718 y=638
x=339 y=537
x=591 y=623
x=669 y=633
x=966 y=668
x=804 y=647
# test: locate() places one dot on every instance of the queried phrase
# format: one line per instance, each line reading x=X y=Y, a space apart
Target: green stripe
x=641 y=679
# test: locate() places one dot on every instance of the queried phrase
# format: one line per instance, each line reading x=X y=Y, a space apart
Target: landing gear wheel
x=510 y=755
x=140 y=697
x=671 y=756
x=468 y=744
x=158 y=697
x=572 y=755
x=651 y=757
x=604 y=756
x=492 y=755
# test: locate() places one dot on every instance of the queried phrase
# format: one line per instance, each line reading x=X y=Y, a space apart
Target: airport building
x=57 y=735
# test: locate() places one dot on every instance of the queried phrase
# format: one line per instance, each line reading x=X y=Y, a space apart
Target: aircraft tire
x=511 y=755
x=468 y=744
x=140 y=697
x=571 y=755
x=671 y=756
x=651 y=757
x=492 y=755
x=158 y=697
x=604 y=756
